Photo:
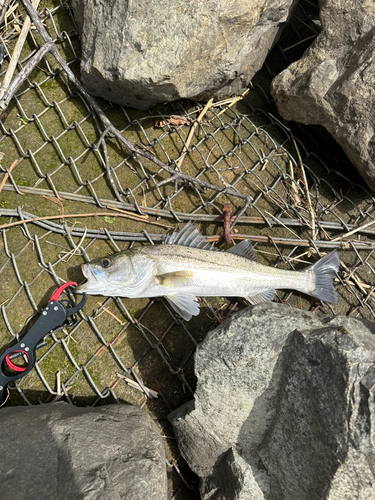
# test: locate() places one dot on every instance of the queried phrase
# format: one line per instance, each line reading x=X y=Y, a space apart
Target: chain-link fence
x=89 y=195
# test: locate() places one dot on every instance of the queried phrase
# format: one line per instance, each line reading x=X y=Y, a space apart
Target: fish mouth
x=91 y=279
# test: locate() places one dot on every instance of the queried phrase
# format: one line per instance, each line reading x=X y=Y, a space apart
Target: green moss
x=22 y=181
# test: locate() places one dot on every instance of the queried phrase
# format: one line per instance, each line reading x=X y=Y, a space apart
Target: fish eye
x=106 y=262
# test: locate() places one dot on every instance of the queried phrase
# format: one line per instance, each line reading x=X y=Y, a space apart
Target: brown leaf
x=178 y=120
x=173 y=120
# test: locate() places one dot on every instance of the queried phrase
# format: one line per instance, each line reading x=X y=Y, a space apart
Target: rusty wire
x=133 y=351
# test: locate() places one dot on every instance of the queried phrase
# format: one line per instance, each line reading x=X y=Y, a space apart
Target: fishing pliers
x=56 y=315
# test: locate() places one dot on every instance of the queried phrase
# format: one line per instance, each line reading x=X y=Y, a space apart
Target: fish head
x=109 y=275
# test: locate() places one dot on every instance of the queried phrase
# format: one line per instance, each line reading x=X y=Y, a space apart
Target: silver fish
x=187 y=266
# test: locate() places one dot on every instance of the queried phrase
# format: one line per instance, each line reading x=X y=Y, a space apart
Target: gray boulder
x=138 y=54
x=284 y=408
x=59 y=452
x=333 y=83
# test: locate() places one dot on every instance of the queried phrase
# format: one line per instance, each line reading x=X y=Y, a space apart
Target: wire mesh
x=89 y=196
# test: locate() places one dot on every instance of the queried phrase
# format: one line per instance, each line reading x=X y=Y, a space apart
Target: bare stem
x=312 y=215
x=3 y=10
x=192 y=130
x=22 y=75
x=17 y=52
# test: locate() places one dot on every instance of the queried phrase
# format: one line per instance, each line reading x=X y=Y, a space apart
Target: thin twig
x=7 y=14
x=312 y=216
x=298 y=43
x=197 y=217
x=192 y=130
x=58 y=383
x=3 y=10
x=139 y=218
x=23 y=75
x=256 y=238
x=279 y=222
x=332 y=245
x=7 y=174
x=352 y=275
x=135 y=385
x=67 y=216
x=350 y=233
x=74 y=251
x=17 y=52
x=307 y=25
x=111 y=314
x=233 y=101
x=106 y=161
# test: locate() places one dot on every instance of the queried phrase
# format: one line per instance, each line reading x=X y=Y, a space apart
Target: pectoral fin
x=184 y=305
x=261 y=297
x=177 y=278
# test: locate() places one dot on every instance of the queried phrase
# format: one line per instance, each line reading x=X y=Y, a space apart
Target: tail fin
x=325 y=270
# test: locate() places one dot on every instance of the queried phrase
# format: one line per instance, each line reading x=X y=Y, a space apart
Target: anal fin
x=184 y=305
x=258 y=298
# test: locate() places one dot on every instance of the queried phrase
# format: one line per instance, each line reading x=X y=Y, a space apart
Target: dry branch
x=3 y=10
x=7 y=174
x=231 y=103
x=17 y=52
x=23 y=74
x=69 y=216
x=192 y=130
x=312 y=215
x=110 y=128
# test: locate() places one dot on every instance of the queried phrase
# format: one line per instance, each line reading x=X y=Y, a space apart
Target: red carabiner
x=13 y=366
x=60 y=290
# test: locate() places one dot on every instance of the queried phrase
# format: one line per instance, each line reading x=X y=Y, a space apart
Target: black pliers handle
x=53 y=317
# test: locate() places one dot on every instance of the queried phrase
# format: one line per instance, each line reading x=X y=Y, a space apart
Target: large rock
x=59 y=452
x=333 y=83
x=284 y=408
x=138 y=54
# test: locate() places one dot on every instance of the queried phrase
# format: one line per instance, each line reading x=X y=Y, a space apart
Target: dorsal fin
x=189 y=236
x=244 y=249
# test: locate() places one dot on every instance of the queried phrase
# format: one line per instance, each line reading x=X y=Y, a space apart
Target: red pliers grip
x=52 y=318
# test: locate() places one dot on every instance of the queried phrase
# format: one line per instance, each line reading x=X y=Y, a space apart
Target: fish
x=187 y=266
